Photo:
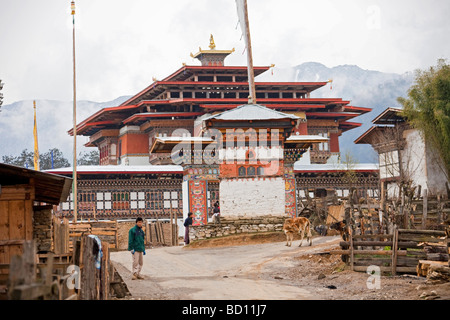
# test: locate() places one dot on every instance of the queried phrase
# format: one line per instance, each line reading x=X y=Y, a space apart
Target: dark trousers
x=186 y=235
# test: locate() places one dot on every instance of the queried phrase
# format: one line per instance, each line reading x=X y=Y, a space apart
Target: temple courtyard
x=263 y=268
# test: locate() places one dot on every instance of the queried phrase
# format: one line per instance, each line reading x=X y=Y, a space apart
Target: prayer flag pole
x=36 y=148
x=74 y=176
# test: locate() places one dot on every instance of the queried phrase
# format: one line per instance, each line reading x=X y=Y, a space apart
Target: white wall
x=422 y=164
x=413 y=158
x=134 y=161
x=435 y=172
x=252 y=197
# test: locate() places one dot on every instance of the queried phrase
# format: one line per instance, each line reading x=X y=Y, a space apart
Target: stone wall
x=229 y=226
x=123 y=227
x=42 y=228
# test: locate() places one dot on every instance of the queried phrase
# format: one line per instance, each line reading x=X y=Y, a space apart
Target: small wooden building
x=23 y=192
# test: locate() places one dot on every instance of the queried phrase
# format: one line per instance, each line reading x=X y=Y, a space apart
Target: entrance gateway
x=134 y=180
x=251 y=151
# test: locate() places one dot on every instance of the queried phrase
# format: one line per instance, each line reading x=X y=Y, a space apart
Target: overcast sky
x=122 y=45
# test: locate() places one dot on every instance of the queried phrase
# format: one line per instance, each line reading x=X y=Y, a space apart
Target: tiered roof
x=192 y=91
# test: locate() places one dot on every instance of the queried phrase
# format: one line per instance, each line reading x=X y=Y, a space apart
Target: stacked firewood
x=436 y=267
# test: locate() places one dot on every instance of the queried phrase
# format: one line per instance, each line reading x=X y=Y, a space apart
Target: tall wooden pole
x=74 y=189
x=251 y=75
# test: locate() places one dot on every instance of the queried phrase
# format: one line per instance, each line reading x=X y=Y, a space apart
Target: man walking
x=136 y=245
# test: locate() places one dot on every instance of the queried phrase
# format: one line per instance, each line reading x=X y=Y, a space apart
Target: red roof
x=136 y=107
x=186 y=69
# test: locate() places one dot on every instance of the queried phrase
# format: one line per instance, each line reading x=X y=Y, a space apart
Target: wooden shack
x=22 y=193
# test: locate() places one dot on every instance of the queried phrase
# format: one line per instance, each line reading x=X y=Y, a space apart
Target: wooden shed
x=22 y=193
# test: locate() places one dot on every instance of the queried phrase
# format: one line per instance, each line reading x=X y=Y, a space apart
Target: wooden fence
x=34 y=277
x=47 y=276
x=105 y=230
x=399 y=252
x=95 y=267
x=61 y=234
x=161 y=233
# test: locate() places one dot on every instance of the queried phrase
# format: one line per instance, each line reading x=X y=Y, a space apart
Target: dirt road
x=218 y=273
x=268 y=271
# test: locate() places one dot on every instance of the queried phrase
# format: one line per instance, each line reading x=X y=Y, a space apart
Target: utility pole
x=74 y=176
x=245 y=27
x=36 y=148
x=1 y=95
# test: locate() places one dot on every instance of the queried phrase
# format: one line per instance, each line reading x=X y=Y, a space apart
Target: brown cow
x=300 y=225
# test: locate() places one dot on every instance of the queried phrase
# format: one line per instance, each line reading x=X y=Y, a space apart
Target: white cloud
x=121 y=45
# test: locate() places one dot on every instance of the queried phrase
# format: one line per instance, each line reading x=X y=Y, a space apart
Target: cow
x=300 y=225
x=343 y=229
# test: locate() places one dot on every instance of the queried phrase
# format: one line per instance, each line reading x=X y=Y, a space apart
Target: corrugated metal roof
x=252 y=112
x=306 y=137
x=335 y=167
x=119 y=169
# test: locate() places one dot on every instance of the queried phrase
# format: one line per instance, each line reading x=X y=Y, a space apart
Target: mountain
x=54 y=119
x=364 y=88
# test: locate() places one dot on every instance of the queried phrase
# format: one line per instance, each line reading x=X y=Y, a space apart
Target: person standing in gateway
x=136 y=245
x=187 y=223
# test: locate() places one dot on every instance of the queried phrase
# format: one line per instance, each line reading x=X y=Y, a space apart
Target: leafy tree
x=45 y=160
x=427 y=108
x=26 y=159
x=89 y=158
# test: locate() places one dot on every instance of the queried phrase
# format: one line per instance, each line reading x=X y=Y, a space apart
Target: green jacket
x=136 y=238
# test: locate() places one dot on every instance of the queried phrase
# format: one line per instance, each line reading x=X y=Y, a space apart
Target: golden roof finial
x=212 y=45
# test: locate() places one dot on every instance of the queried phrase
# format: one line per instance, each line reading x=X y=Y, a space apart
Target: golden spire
x=212 y=45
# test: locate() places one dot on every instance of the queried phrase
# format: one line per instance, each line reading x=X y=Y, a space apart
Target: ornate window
x=251 y=171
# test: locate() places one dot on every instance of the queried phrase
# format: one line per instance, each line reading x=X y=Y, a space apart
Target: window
x=241 y=172
x=251 y=171
x=323 y=146
x=103 y=200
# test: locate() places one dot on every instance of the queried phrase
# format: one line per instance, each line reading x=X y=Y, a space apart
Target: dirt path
x=269 y=271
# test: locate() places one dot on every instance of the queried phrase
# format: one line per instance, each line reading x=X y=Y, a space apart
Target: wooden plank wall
x=95 y=282
x=16 y=220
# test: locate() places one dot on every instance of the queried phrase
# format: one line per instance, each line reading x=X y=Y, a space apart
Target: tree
x=89 y=158
x=53 y=159
x=427 y=108
x=26 y=159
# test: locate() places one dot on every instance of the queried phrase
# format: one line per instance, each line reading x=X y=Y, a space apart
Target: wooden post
x=74 y=175
x=425 y=209
x=105 y=275
x=447 y=231
x=176 y=228
x=394 y=251
x=440 y=207
x=351 y=253
x=171 y=224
